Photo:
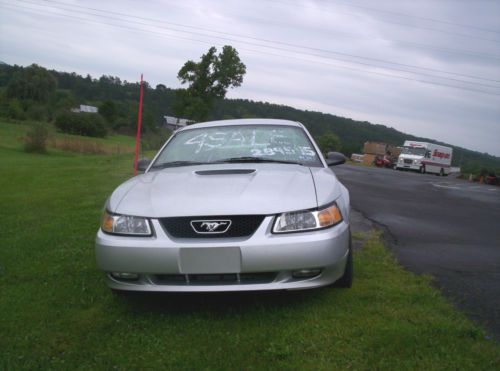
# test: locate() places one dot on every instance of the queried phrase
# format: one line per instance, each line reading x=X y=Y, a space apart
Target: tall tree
x=33 y=82
x=328 y=142
x=209 y=79
x=108 y=110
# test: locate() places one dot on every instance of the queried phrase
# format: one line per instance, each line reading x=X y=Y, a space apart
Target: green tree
x=329 y=142
x=32 y=83
x=161 y=87
x=208 y=80
x=15 y=110
x=88 y=124
x=109 y=111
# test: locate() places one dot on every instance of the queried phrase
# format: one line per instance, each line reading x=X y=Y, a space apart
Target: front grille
x=408 y=161
x=241 y=226
x=214 y=279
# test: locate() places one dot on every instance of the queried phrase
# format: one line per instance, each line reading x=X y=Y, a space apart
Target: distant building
x=356 y=157
x=174 y=123
x=84 y=108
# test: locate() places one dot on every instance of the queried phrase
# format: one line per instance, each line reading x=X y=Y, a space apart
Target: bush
x=36 y=139
x=122 y=126
x=36 y=112
x=108 y=111
x=87 y=124
x=15 y=110
x=153 y=140
x=329 y=142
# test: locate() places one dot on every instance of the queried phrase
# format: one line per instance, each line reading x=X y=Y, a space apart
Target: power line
x=447 y=50
x=329 y=10
x=255 y=51
x=406 y=42
x=270 y=42
x=287 y=50
x=350 y=4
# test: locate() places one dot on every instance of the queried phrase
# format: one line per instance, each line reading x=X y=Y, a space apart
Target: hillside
x=122 y=96
x=352 y=133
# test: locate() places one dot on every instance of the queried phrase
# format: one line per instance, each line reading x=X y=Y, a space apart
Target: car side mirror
x=143 y=164
x=335 y=158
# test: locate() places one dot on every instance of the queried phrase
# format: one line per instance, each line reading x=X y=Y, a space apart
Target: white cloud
x=373 y=30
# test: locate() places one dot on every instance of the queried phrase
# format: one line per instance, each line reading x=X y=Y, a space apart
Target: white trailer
x=425 y=158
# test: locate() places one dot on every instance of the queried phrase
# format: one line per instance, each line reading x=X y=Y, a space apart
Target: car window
x=413 y=151
x=280 y=143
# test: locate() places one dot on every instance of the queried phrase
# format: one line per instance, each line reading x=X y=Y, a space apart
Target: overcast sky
x=429 y=68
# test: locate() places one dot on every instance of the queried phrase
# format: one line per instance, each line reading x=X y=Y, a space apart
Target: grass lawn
x=11 y=136
x=57 y=313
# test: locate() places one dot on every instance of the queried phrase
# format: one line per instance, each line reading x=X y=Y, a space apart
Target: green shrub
x=328 y=142
x=15 y=110
x=153 y=140
x=87 y=124
x=122 y=126
x=36 y=139
x=109 y=111
x=36 y=112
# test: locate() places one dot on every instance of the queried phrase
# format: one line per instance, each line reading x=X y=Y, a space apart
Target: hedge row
x=88 y=124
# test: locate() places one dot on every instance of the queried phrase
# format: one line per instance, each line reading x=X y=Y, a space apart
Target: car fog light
x=305 y=273
x=125 y=276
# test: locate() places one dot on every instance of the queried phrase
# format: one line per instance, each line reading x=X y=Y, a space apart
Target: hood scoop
x=225 y=172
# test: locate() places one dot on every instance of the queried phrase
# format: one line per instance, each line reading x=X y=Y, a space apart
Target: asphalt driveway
x=441 y=226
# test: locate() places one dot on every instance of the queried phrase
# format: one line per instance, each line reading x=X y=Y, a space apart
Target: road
x=441 y=226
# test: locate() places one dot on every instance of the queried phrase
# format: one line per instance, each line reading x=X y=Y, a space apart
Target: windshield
x=252 y=143
x=419 y=151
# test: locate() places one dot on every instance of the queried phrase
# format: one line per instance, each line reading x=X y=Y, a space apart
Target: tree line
x=38 y=94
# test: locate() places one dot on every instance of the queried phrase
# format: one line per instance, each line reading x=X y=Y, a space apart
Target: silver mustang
x=232 y=205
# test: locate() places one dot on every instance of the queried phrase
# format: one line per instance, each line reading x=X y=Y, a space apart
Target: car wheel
x=422 y=169
x=346 y=280
x=441 y=172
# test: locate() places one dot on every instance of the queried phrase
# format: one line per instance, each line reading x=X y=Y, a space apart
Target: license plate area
x=209 y=260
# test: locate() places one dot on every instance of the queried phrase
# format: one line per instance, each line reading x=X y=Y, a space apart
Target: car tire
x=346 y=280
x=441 y=172
x=422 y=169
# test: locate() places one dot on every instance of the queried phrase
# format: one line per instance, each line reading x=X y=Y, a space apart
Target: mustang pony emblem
x=210 y=226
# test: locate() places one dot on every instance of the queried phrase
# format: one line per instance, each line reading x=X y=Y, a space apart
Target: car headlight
x=125 y=224
x=416 y=162
x=307 y=220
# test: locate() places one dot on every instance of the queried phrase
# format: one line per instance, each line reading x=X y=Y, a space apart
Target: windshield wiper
x=226 y=160
x=257 y=159
x=176 y=163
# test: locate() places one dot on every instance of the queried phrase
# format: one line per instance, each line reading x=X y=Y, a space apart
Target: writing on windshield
x=218 y=143
x=258 y=145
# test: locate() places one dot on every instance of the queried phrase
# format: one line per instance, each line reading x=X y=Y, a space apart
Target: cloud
x=327 y=75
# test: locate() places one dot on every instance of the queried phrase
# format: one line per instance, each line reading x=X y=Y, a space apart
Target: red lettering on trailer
x=440 y=154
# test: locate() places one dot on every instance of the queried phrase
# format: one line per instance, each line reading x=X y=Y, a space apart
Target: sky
x=428 y=68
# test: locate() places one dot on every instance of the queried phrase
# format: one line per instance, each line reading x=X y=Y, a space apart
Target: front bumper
x=400 y=165
x=264 y=261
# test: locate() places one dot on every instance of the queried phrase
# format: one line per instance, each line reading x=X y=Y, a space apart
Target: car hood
x=187 y=191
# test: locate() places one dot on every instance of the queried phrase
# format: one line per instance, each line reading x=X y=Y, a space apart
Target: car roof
x=233 y=122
